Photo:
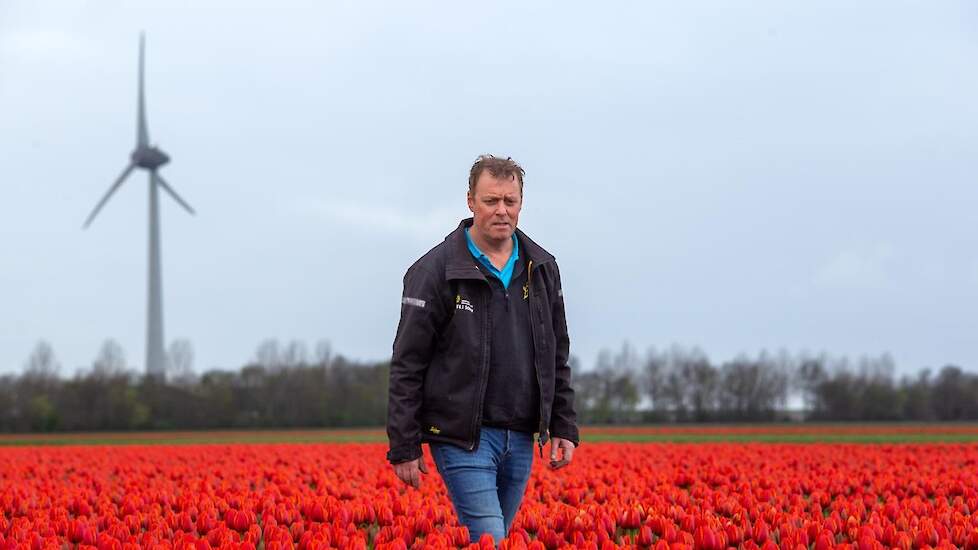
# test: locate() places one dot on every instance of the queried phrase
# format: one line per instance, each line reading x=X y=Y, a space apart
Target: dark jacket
x=440 y=363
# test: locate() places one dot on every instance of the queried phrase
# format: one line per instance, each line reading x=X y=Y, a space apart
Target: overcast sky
x=737 y=176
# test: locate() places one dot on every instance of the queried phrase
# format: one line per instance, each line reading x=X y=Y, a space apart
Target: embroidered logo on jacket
x=463 y=304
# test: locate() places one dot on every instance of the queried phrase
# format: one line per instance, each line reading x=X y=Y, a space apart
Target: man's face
x=495 y=204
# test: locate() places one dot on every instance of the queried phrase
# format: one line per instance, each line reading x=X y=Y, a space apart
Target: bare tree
x=753 y=389
x=654 y=379
x=269 y=354
x=294 y=354
x=702 y=381
x=324 y=353
x=624 y=386
x=610 y=392
x=810 y=373
x=879 y=397
x=42 y=365
x=110 y=361
x=180 y=362
x=689 y=385
x=918 y=404
x=955 y=394
x=37 y=389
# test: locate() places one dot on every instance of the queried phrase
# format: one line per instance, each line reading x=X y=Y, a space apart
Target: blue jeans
x=486 y=485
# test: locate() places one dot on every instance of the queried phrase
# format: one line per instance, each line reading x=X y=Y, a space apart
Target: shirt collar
x=479 y=255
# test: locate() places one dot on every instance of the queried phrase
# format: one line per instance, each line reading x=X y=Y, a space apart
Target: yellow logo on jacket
x=434 y=430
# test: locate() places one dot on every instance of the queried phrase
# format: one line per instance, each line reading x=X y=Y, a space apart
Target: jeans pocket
x=445 y=455
x=436 y=454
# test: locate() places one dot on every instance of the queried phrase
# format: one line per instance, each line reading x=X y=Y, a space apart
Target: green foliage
x=43 y=414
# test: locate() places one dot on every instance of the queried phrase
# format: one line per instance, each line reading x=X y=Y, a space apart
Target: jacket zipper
x=536 y=368
x=486 y=335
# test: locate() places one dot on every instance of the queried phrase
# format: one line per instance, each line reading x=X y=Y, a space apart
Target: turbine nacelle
x=149 y=157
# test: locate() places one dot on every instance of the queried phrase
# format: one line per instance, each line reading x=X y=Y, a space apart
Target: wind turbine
x=150 y=158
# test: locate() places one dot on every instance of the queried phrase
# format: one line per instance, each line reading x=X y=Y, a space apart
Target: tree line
x=280 y=388
x=284 y=386
x=682 y=385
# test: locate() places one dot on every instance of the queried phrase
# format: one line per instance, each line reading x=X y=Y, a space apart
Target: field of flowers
x=344 y=495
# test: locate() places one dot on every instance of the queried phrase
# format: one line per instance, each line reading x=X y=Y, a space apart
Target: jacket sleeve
x=414 y=343
x=563 y=419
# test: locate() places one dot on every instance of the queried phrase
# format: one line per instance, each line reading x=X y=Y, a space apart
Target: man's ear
x=470 y=200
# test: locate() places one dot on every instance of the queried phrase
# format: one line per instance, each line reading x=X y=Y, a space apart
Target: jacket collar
x=460 y=265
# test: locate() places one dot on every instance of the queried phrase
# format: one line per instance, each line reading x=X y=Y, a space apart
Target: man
x=480 y=359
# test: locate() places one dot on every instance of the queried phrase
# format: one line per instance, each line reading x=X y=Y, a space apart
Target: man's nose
x=501 y=209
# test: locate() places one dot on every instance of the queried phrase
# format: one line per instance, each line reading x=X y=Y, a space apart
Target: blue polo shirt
x=506 y=273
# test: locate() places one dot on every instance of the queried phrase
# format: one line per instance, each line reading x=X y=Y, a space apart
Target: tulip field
x=711 y=488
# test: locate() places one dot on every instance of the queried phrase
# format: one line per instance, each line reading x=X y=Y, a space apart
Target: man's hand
x=566 y=450
x=408 y=471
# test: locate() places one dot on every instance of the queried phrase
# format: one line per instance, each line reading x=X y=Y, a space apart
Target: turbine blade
x=142 y=132
x=168 y=189
x=113 y=189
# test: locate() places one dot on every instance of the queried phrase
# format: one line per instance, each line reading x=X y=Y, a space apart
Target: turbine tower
x=149 y=158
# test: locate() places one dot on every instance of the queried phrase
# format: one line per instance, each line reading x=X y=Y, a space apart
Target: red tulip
x=79 y=532
x=705 y=539
x=645 y=536
x=760 y=531
x=239 y=520
x=926 y=535
x=734 y=534
x=972 y=543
